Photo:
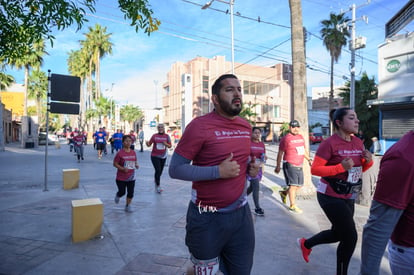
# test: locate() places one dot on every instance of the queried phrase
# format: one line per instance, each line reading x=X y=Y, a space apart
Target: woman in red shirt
x=339 y=161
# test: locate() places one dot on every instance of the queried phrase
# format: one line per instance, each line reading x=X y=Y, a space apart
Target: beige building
x=266 y=90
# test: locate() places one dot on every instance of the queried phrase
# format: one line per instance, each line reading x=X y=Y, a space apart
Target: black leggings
x=128 y=185
x=340 y=213
x=158 y=164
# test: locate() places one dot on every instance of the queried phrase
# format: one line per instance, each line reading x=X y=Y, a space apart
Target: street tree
x=5 y=80
x=25 y=22
x=300 y=110
x=97 y=45
x=365 y=89
x=248 y=113
x=334 y=39
x=77 y=66
x=130 y=114
x=37 y=89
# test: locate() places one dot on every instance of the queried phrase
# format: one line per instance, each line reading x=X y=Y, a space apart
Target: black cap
x=294 y=123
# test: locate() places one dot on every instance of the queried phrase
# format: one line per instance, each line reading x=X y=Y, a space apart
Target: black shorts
x=100 y=146
x=293 y=174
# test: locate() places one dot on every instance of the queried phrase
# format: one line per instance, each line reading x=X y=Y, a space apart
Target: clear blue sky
x=139 y=61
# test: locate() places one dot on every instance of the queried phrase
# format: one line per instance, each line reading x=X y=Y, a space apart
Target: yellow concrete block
x=70 y=178
x=87 y=219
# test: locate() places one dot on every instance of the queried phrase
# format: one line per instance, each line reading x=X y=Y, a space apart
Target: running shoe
x=259 y=212
x=283 y=196
x=295 y=209
x=128 y=208
x=116 y=199
x=305 y=251
x=159 y=190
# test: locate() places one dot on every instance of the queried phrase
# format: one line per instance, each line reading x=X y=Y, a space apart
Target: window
x=276 y=111
x=205 y=84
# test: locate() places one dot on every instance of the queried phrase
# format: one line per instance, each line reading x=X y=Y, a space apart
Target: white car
x=53 y=139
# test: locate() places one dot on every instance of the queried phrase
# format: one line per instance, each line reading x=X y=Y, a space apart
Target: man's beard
x=229 y=109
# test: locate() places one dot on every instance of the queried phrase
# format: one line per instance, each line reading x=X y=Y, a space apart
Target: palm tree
x=77 y=66
x=31 y=58
x=38 y=85
x=98 y=44
x=131 y=113
x=334 y=39
x=300 y=110
x=5 y=80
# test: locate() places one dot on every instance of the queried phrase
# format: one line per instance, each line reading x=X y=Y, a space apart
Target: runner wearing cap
x=293 y=150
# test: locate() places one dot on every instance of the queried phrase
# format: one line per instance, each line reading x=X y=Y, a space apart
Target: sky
x=138 y=66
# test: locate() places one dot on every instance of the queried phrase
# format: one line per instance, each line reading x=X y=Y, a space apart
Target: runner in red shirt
x=339 y=161
x=213 y=153
x=78 y=140
x=391 y=216
x=258 y=151
x=126 y=162
x=293 y=150
x=161 y=142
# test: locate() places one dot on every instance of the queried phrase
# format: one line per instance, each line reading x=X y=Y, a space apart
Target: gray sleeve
x=181 y=168
x=377 y=231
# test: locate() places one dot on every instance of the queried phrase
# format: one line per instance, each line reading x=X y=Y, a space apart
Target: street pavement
x=36 y=221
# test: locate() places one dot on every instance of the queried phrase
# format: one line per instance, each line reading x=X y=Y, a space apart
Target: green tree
x=248 y=113
x=334 y=40
x=131 y=113
x=5 y=80
x=365 y=89
x=98 y=45
x=32 y=58
x=24 y=22
x=77 y=67
x=37 y=89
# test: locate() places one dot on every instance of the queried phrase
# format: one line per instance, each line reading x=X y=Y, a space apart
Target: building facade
x=266 y=91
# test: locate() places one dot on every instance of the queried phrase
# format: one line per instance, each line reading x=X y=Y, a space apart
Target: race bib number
x=354 y=174
x=160 y=146
x=100 y=140
x=129 y=164
x=300 y=150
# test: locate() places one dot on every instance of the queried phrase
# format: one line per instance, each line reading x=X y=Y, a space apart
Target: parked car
x=315 y=138
x=53 y=139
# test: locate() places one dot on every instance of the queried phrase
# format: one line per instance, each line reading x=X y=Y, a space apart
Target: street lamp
x=231 y=3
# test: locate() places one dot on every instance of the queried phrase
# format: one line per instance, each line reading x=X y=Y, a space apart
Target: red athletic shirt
x=332 y=151
x=126 y=159
x=208 y=140
x=78 y=140
x=395 y=187
x=294 y=148
x=158 y=148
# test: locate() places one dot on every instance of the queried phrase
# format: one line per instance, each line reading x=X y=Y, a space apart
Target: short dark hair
x=338 y=114
x=217 y=84
x=125 y=137
x=256 y=128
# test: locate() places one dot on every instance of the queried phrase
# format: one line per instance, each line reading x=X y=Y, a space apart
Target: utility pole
x=355 y=44
x=352 y=94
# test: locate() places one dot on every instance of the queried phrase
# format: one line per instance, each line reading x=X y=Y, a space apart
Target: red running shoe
x=305 y=251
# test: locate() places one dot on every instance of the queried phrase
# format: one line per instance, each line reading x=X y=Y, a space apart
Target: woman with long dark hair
x=340 y=161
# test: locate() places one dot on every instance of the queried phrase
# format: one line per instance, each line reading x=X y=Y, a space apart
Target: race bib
x=100 y=140
x=354 y=174
x=129 y=164
x=160 y=146
x=300 y=150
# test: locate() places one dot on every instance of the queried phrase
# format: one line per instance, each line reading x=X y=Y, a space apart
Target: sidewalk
x=35 y=232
